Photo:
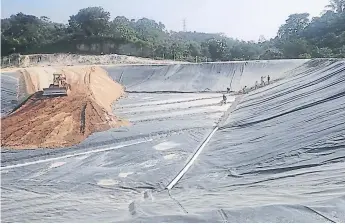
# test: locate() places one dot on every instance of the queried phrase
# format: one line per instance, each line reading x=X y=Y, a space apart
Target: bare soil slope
x=62 y=121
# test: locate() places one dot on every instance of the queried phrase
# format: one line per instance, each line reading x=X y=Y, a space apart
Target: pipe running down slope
x=202 y=146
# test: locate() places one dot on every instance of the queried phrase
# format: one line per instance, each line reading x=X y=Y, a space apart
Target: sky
x=241 y=19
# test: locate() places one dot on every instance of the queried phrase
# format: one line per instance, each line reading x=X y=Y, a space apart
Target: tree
x=322 y=52
x=149 y=30
x=341 y=52
x=217 y=49
x=122 y=28
x=272 y=53
x=176 y=51
x=262 y=39
x=161 y=51
x=293 y=25
x=22 y=33
x=236 y=52
x=90 y=21
x=294 y=48
x=298 y=37
x=194 y=49
x=205 y=50
x=337 y=6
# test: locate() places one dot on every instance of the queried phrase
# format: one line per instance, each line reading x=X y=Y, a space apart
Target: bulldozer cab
x=58 y=87
x=58 y=79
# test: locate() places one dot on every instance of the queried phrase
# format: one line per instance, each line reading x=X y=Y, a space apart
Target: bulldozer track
x=82 y=119
x=89 y=82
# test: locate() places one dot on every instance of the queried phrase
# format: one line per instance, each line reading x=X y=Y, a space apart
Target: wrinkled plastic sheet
x=199 y=77
x=9 y=99
x=279 y=157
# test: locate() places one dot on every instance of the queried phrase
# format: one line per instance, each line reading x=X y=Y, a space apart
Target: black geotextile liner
x=278 y=157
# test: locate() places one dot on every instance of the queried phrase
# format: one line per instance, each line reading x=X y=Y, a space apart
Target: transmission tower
x=184 y=25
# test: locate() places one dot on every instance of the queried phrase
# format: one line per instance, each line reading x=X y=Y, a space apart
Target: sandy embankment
x=62 y=121
x=25 y=61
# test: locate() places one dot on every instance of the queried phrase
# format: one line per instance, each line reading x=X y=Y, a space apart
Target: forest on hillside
x=299 y=37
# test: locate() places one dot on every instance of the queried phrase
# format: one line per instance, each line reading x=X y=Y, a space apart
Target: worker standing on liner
x=256 y=84
x=228 y=90
x=244 y=90
x=262 y=81
x=224 y=99
x=268 y=79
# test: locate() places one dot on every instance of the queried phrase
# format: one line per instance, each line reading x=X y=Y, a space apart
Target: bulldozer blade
x=54 y=92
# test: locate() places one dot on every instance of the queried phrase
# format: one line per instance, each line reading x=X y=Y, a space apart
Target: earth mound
x=50 y=122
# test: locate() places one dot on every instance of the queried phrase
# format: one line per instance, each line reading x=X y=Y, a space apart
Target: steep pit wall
x=200 y=77
x=43 y=122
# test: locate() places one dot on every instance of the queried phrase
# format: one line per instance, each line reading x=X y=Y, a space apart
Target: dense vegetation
x=299 y=37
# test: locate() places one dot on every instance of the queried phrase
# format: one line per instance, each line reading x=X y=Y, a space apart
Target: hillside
x=90 y=31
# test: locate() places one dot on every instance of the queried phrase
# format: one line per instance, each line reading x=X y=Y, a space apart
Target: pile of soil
x=50 y=122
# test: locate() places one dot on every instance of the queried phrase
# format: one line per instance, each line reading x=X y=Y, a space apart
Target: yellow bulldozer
x=59 y=86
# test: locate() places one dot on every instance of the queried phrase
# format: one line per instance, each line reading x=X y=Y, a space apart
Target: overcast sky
x=242 y=19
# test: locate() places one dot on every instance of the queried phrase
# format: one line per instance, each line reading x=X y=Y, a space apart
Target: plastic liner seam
x=202 y=146
x=177 y=202
x=318 y=213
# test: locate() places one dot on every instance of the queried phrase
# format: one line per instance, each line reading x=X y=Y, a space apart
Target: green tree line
x=298 y=37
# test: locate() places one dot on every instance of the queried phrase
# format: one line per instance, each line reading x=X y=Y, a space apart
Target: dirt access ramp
x=43 y=122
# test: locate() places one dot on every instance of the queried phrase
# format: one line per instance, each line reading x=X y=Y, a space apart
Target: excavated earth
x=50 y=122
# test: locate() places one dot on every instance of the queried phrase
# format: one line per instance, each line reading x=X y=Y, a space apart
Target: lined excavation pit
x=280 y=152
